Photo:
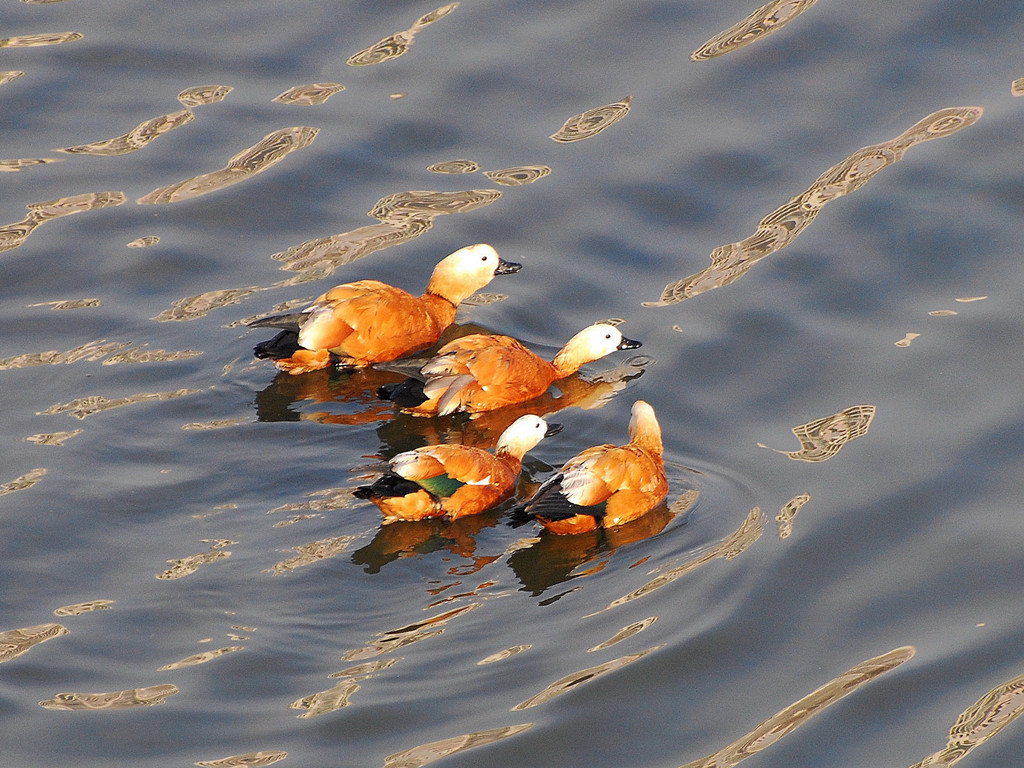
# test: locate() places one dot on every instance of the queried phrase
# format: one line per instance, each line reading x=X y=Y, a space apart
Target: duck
x=605 y=486
x=365 y=322
x=453 y=480
x=483 y=372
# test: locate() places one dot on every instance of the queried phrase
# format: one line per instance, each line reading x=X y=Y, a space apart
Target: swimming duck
x=483 y=372
x=369 y=321
x=607 y=485
x=454 y=481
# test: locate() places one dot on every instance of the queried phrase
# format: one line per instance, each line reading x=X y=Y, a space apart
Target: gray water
x=207 y=498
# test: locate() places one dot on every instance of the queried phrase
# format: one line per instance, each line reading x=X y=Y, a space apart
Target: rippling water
x=835 y=577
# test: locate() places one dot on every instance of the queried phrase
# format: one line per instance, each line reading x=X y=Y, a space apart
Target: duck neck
x=440 y=308
x=647 y=436
x=567 y=362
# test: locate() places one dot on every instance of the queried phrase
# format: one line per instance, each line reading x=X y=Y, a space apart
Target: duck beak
x=553 y=429
x=629 y=344
x=507 y=267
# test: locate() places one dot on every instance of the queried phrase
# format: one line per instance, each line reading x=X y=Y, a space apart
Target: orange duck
x=483 y=372
x=365 y=322
x=454 y=481
x=607 y=485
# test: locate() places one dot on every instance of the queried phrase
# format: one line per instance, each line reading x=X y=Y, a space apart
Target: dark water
x=912 y=535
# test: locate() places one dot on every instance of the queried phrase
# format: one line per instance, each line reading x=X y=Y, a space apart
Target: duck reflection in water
x=354 y=390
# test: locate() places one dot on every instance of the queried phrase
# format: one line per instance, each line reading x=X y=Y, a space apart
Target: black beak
x=553 y=429
x=628 y=344
x=507 y=267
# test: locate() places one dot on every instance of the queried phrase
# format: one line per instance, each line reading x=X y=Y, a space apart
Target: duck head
x=461 y=274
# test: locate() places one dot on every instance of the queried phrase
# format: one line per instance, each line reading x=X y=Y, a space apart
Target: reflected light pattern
x=129 y=699
x=436 y=750
x=265 y=154
x=136 y=138
x=519 y=175
x=248 y=760
x=792 y=717
x=309 y=95
x=590 y=123
x=398 y=44
x=823 y=438
x=780 y=227
x=14 y=642
x=979 y=723
x=765 y=20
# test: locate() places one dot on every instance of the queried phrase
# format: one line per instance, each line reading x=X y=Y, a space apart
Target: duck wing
x=496 y=369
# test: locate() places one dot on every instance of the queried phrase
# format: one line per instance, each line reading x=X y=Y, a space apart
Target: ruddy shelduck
x=365 y=322
x=483 y=372
x=607 y=485
x=454 y=481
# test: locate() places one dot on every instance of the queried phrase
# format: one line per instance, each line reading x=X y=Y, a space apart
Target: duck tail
x=288 y=320
x=285 y=344
x=386 y=486
x=406 y=394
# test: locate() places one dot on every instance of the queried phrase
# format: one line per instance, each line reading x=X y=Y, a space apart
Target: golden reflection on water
x=266 y=153
x=436 y=750
x=765 y=20
x=823 y=438
x=590 y=123
x=14 y=642
x=788 y=514
x=8 y=76
x=186 y=566
x=79 y=608
x=198 y=95
x=45 y=38
x=393 y=46
x=455 y=166
x=202 y=658
x=519 y=175
x=1017 y=87
x=248 y=760
x=402 y=637
x=52 y=438
x=216 y=423
x=14 y=166
x=82 y=407
x=979 y=723
x=943 y=313
x=129 y=699
x=906 y=340
x=136 y=138
x=969 y=299
x=14 y=235
x=403 y=216
x=143 y=242
x=731 y=546
x=323 y=702
x=792 y=717
x=624 y=633
x=313 y=552
x=310 y=94
x=24 y=482
x=68 y=304
x=505 y=653
x=567 y=683
x=780 y=227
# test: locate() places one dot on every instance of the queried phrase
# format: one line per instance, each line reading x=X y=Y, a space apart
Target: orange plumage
x=454 y=481
x=607 y=485
x=483 y=372
x=365 y=322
